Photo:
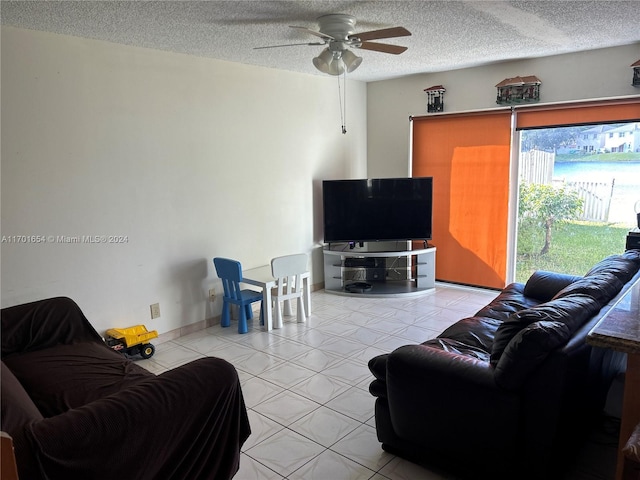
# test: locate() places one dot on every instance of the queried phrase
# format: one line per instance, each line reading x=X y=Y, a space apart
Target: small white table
x=261 y=277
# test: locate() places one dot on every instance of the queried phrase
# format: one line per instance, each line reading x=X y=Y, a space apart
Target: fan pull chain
x=344 y=119
x=343 y=105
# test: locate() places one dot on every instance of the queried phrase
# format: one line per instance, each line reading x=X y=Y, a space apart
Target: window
x=607 y=183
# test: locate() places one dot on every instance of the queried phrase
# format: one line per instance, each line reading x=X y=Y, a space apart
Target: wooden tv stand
x=374 y=272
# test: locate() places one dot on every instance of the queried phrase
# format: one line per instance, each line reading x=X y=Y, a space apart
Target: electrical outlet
x=212 y=294
x=155 y=310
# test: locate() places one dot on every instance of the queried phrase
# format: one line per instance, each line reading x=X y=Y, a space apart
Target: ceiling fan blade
x=384 y=33
x=313 y=32
x=383 y=47
x=288 y=45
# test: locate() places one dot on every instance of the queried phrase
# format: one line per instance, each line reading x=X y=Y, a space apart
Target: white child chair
x=288 y=271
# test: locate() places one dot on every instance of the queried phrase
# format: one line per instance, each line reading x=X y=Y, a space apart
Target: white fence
x=596 y=197
x=537 y=167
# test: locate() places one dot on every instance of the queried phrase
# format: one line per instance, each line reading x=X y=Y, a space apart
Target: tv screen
x=377 y=209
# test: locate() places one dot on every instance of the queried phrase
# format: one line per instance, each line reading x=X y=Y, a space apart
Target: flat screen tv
x=380 y=209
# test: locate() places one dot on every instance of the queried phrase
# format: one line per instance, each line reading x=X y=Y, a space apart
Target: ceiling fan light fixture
x=329 y=63
x=351 y=60
x=336 y=67
x=322 y=61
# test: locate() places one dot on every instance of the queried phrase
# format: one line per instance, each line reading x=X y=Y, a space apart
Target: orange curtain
x=468 y=156
x=581 y=113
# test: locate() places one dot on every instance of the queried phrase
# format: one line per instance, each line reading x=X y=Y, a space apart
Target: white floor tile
x=355 y=403
x=261 y=429
x=171 y=355
x=256 y=362
x=316 y=360
x=392 y=342
x=362 y=446
x=321 y=388
x=285 y=452
x=286 y=407
x=288 y=349
x=324 y=426
x=204 y=344
x=257 y=390
x=287 y=374
x=343 y=347
x=367 y=354
x=349 y=371
x=306 y=385
x=330 y=465
x=253 y=470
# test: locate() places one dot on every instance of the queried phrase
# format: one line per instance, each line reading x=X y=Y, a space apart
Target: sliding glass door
x=476 y=180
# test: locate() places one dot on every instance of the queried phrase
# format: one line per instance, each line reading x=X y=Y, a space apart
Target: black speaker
x=377 y=272
x=633 y=241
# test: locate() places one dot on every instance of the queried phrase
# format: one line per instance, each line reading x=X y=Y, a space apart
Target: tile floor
x=306 y=385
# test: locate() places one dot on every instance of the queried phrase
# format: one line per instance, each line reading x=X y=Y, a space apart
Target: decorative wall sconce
x=636 y=74
x=519 y=90
x=435 y=98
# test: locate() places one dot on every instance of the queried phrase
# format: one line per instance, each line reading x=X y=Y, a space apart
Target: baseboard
x=187 y=329
x=201 y=325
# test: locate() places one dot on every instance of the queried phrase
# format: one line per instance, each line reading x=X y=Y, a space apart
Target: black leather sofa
x=510 y=392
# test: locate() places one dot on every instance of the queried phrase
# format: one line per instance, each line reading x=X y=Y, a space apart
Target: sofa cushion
x=473 y=335
x=508 y=301
x=459 y=348
x=543 y=285
x=17 y=409
x=527 y=350
x=43 y=324
x=633 y=255
x=571 y=310
x=622 y=266
x=68 y=376
x=602 y=286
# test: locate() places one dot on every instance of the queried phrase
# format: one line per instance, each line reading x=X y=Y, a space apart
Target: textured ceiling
x=447 y=35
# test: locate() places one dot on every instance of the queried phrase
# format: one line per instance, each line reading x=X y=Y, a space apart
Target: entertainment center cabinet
x=371 y=271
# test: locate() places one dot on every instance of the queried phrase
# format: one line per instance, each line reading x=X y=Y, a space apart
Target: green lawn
x=575 y=248
x=599 y=157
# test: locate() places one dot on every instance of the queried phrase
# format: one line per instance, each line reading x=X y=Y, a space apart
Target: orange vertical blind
x=468 y=156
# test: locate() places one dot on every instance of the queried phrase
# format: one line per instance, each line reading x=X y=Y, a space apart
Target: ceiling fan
x=337 y=31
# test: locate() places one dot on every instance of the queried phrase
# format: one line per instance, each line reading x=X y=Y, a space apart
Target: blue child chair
x=230 y=272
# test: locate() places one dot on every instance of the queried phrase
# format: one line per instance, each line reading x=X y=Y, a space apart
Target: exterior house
x=592 y=140
x=623 y=139
x=609 y=138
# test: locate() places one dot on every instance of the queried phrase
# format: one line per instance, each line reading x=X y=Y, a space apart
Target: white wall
x=586 y=75
x=188 y=158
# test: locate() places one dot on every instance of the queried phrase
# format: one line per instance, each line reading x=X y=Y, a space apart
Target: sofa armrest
x=418 y=366
x=189 y=422
x=454 y=395
x=44 y=324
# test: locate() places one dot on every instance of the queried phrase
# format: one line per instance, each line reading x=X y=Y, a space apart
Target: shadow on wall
x=189 y=278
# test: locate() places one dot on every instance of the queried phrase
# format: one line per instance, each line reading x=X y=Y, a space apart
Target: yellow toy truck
x=132 y=340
